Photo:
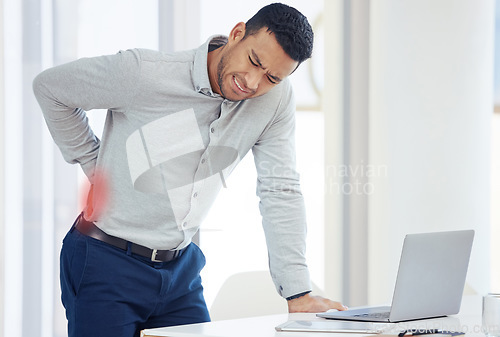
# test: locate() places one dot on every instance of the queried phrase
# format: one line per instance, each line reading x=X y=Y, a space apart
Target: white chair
x=249 y=294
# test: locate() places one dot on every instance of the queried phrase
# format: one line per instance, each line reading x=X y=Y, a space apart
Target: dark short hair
x=290 y=27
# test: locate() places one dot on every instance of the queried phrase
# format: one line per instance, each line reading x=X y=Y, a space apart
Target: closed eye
x=269 y=77
x=252 y=62
x=271 y=80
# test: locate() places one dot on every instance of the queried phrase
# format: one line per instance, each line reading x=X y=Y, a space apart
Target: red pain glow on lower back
x=94 y=198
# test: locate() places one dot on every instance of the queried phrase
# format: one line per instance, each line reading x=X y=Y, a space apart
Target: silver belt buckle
x=153 y=256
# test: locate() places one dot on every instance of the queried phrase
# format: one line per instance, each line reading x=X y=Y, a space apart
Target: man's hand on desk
x=308 y=303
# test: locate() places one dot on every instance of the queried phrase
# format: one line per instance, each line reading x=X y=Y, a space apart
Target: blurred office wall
x=430 y=123
x=428 y=118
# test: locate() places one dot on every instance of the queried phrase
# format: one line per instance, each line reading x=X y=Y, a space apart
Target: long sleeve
x=66 y=92
x=281 y=202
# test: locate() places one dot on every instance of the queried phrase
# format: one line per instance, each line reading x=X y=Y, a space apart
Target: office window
x=42 y=188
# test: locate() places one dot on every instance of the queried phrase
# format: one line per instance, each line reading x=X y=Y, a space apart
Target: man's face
x=252 y=66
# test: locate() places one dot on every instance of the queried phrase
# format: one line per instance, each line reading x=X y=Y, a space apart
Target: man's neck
x=213 y=59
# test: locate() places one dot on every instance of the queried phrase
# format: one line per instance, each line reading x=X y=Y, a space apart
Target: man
x=177 y=124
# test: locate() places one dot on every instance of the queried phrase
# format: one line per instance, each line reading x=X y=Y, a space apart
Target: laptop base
x=372 y=314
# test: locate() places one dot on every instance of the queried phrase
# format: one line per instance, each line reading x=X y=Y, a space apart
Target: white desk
x=469 y=321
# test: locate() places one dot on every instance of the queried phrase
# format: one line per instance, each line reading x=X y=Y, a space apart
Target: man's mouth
x=239 y=86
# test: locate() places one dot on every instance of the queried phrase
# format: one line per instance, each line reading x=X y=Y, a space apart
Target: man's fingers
x=337 y=305
x=310 y=303
x=328 y=304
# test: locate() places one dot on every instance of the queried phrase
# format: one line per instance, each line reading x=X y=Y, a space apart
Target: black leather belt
x=90 y=229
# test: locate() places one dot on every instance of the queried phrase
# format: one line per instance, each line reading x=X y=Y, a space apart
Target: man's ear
x=238 y=32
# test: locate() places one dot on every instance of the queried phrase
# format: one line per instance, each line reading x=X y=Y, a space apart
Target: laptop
x=430 y=281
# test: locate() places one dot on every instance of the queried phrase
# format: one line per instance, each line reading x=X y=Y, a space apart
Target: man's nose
x=252 y=79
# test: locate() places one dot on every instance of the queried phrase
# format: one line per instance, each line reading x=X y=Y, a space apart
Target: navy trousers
x=107 y=291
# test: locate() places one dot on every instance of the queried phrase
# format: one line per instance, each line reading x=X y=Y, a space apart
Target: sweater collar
x=200 y=72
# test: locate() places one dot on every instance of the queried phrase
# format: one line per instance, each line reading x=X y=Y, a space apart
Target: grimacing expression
x=250 y=67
